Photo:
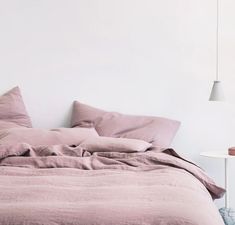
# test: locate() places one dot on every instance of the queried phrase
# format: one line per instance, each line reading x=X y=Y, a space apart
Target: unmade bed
x=108 y=169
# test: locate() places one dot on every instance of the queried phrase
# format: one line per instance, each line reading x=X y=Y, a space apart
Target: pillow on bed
x=109 y=144
x=156 y=130
x=12 y=110
x=39 y=137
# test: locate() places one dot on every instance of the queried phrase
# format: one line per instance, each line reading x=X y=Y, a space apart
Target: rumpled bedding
x=64 y=185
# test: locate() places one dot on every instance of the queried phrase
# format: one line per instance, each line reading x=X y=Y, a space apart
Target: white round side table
x=226 y=157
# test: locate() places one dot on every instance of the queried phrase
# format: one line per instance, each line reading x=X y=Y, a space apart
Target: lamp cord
x=217 y=41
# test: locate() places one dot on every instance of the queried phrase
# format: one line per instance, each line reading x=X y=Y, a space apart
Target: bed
x=61 y=177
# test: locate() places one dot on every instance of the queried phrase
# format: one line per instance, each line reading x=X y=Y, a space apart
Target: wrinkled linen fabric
x=109 y=144
x=37 y=136
x=63 y=185
x=12 y=110
x=158 y=131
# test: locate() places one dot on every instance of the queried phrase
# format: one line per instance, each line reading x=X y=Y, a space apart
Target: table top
x=217 y=154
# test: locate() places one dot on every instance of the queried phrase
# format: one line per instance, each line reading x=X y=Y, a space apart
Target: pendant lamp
x=217 y=90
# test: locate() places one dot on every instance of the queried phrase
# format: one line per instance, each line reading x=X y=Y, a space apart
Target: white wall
x=154 y=57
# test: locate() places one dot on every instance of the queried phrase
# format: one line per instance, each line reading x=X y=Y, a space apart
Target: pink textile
x=156 y=130
x=12 y=110
x=36 y=137
x=109 y=144
x=76 y=187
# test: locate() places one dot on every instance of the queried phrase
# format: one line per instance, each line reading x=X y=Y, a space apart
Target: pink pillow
x=109 y=144
x=12 y=110
x=38 y=137
x=156 y=130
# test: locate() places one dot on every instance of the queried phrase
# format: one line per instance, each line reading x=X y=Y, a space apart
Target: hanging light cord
x=217 y=41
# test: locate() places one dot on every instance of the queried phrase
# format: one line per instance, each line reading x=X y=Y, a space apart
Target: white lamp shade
x=217 y=93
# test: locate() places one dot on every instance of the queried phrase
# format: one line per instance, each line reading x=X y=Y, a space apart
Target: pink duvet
x=61 y=185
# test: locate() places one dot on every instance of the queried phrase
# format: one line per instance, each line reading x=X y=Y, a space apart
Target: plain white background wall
x=149 y=57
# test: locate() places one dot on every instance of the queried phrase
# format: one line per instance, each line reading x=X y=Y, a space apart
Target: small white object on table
x=225 y=156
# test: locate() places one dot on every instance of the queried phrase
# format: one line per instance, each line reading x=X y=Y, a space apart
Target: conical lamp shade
x=217 y=93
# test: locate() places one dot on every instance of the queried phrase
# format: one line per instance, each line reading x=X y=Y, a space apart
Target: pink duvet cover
x=61 y=185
